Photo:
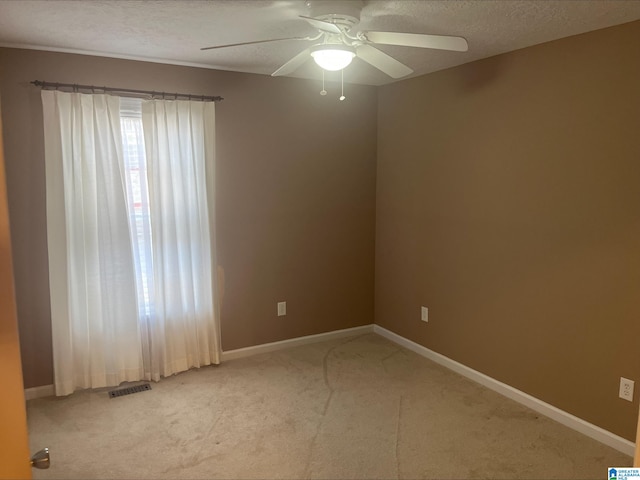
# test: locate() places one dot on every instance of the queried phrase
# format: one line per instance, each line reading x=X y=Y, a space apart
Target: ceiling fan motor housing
x=345 y=13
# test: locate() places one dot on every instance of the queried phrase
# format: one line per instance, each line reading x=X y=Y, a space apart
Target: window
x=138 y=201
x=129 y=236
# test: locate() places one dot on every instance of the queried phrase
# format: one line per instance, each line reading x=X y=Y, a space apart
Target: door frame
x=14 y=441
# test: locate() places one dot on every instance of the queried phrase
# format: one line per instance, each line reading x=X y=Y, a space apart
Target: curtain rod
x=152 y=93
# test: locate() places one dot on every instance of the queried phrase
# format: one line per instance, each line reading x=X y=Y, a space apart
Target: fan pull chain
x=323 y=91
x=342 y=97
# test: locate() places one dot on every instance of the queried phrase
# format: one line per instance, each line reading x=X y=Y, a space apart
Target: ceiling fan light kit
x=335 y=21
x=332 y=57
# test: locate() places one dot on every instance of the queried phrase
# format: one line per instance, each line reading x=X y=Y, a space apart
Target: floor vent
x=129 y=390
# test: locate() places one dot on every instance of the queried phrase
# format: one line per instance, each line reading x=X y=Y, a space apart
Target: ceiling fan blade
x=382 y=61
x=254 y=42
x=322 y=24
x=438 y=42
x=293 y=64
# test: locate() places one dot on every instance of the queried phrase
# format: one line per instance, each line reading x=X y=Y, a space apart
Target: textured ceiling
x=174 y=31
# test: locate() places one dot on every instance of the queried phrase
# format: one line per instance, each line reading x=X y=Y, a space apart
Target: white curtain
x=96 y=335
x=183 y=329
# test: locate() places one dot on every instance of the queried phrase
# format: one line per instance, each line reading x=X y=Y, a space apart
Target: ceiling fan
x=337 y=46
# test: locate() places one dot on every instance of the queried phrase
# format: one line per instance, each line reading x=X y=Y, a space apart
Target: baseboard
x=295 y=342
x=39 y=392
x=621 y=444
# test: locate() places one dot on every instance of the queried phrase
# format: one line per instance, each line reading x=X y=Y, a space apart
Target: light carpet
x=361 y=407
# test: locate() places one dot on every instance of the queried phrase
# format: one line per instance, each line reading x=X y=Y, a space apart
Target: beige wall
x=295 y=192
x=636 y=458
x=508 y=202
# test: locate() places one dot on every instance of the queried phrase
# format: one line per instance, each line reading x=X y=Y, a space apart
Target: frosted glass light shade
x=333 y=57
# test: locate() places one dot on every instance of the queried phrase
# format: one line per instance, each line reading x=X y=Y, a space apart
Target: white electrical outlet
x=282 y=309
x=424 y=314
x=626 y=389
